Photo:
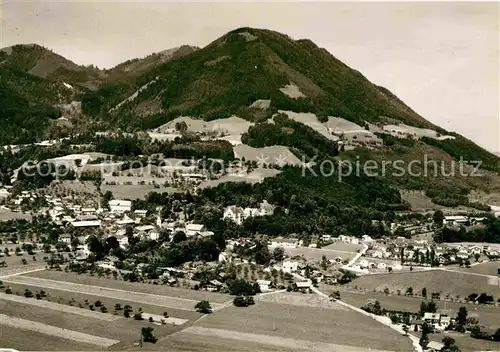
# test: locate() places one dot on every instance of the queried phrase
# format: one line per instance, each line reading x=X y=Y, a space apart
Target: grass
x=318 y=253
x=131 y=286
x=467 y=343
x=14 y=264
x=487 y=268
x=138 y=297
x=488 y=315
x=306 y=323
x=451 y=283
x=345 y=247
x=133 y=191
x=23 y=340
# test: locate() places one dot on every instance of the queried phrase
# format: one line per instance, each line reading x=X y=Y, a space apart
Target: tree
x=409 y=291
x=424 y=292
x=462 y=316
x=147 y=335
x=496 y=335
x=179 y=237
x=449 y=345
x=28 y=293
x=165 y=314
x=406 y=329
x=477 y=256
x=438 y=218
x=203 y=307
x=118 y=306
x=424 y=341
x=240 y=301
x=278 y=254
x=138 y=315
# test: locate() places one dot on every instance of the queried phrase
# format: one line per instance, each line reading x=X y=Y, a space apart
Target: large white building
x=120 y=206
x=239 y=214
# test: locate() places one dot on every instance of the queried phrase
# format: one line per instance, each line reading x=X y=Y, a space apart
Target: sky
x=441 y=58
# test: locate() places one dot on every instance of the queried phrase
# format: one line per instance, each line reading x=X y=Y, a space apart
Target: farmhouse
x=290 y=266
x=285 y=242
x=303 y=286
x=238 y=214
x=89 y=223
x=120 y=206
x=264 y=285
x=455 y=220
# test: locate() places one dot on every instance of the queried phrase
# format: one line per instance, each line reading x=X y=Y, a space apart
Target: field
x=14 y=264
x=318 y=253
x=487 y=268
x=64 y=321
x=79 y=332
x=467 y=343
x=131 y=286
x=488 y=315
x=138 y=297
x=300 y=299
x=133 y=191
x=445 y=282
x=292 y=325
x=268 y=155
x=345 y=247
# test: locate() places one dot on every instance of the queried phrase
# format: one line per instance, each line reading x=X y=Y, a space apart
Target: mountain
x=294 y=93
x=42 y=62
x=248 y=64
x=35 y=82
x=137 y=67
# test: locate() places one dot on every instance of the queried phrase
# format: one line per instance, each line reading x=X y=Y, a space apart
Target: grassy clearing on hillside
x=132 y=286
x=343 y=327
x=445 y=282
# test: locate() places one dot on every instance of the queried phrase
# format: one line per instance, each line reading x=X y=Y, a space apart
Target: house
x=303 y=286
x=234 y=214
x=65 y=238
x=213 y=286
x=140 y=213
x=326 y=237
x=463 y=254
x=475 y=250
x=90 y=223
x=366 y=238
x=290 y=266
x=455 y=220
x=120 y=206
x=432 y=318
x=264 y=285
x=193 y=229
x=238 y=214
x=285 y=242
x=378 y=254
x=382 y=266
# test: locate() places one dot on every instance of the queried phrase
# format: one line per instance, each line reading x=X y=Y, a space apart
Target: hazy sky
x=441 y=58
